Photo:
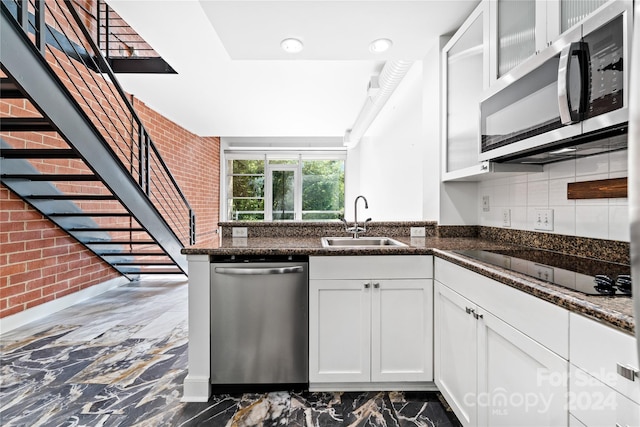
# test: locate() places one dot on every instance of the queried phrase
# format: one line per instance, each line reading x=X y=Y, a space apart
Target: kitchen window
x=284 y=187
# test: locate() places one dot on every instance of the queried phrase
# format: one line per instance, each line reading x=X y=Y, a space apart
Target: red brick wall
x=195 y=163
x=40 y=262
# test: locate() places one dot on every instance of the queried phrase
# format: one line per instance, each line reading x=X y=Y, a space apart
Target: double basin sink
x=360 y=242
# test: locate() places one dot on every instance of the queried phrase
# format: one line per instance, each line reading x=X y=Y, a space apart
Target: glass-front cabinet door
x=521 y=28
x=574 y=11
x=465 y=63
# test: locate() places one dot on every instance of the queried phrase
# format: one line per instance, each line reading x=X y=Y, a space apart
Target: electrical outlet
x=506 y=217
x=485 y=204
x=418 y=232
x=543 y=220
x=542 y=272
x=239 y=231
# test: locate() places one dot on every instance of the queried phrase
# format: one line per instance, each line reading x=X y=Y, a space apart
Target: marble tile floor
x=119 y=359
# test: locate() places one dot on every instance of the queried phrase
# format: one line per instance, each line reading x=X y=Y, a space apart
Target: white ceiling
x=234 y=80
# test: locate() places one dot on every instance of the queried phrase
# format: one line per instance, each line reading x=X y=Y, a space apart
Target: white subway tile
x=564 y=169
x=564 y=220
x=558 y=192
x=592 y=221
x=501 y=195
x=618 y=161
x=619 y=223
x=538 y=176
x=518 y=194
x=592 y=165
x=538 y=194
x=519 y=218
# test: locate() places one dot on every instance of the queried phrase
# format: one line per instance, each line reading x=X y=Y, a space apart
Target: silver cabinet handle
x=469 y=310
x=628 y=372
x=477 y=316
x=367 y=285
x=376 y=285
x=256 y=271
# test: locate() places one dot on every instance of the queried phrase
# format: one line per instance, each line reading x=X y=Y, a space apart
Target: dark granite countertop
x=615 y=311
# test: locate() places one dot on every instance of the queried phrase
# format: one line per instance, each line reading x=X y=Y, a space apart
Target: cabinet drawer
x=544 y=322
x=371 y=267
x=595 y=404
x=598 y=349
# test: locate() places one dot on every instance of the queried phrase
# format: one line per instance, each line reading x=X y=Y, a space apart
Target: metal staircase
x=73 y=147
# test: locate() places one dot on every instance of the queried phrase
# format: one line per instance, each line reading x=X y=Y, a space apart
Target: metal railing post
x=142 y=156
x=106 y=31
x=23 y=15
x=41 y=26
x=98 y=11
x=192 y=227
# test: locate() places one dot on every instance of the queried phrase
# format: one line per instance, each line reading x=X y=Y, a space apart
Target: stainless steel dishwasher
x=259 y=320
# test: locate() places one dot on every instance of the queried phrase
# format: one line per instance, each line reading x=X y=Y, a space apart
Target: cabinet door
x=514 y=28
x=402 y=330
x=465 y=62
x=455 y=352
x=339 y=330
x=520 y=382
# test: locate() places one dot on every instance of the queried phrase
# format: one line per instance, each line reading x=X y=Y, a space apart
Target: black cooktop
x=589 y=276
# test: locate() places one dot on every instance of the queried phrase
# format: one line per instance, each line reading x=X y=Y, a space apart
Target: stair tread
x=112 y=229
x=50 y=177
x=26 y=124
x=90 y=214
x=70 y=197
x=9 y=89
x=38 y=153
x=119 y=242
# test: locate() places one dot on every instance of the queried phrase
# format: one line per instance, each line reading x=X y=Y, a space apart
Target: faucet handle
x=344 y=221
x=364 y=226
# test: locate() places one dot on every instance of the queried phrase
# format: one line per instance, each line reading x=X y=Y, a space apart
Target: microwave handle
x=567 y=114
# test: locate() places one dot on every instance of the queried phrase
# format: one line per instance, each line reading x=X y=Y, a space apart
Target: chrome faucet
x=356 y=229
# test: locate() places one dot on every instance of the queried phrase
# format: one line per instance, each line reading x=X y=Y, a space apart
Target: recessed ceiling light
x=380 y=45
x=291 y=45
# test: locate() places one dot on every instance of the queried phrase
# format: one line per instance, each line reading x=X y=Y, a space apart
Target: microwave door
x=607 y=38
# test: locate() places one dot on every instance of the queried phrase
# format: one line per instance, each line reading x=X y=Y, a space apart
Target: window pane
x=246 y=186
x=283 y=195
x=245 y=167
x=283 y=162
x=322 y=189
x=246 y=209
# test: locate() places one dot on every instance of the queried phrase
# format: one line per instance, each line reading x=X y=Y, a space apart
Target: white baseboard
x=196 y=389
x=14 y=321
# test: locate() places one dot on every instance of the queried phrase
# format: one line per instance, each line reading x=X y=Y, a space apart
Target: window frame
x=267 y=156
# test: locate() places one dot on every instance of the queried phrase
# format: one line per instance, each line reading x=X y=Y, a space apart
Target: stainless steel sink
x=361 y=242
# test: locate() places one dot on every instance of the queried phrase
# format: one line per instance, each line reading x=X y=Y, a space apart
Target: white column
x=197 y=384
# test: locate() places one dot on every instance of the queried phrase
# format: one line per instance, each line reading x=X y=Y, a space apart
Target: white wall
x=523 y=194
x=390 y=159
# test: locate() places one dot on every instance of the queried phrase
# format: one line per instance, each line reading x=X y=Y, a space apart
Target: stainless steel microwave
x=571 y=95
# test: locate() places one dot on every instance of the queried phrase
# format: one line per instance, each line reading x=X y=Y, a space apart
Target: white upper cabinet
x=521 y=28
x=465 y=60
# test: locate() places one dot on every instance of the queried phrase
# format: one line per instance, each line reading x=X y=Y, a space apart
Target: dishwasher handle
x=259 y=271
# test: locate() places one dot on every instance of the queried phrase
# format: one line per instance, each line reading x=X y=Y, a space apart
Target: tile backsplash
x=524 y=194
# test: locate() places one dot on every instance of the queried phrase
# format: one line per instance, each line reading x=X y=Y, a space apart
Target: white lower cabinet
x=605 y=381
x=366 y=328
x=491 y=373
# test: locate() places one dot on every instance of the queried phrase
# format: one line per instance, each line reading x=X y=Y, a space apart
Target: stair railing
x=63 y=39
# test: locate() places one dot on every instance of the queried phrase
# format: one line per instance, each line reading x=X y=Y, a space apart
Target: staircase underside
x=64 y=168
